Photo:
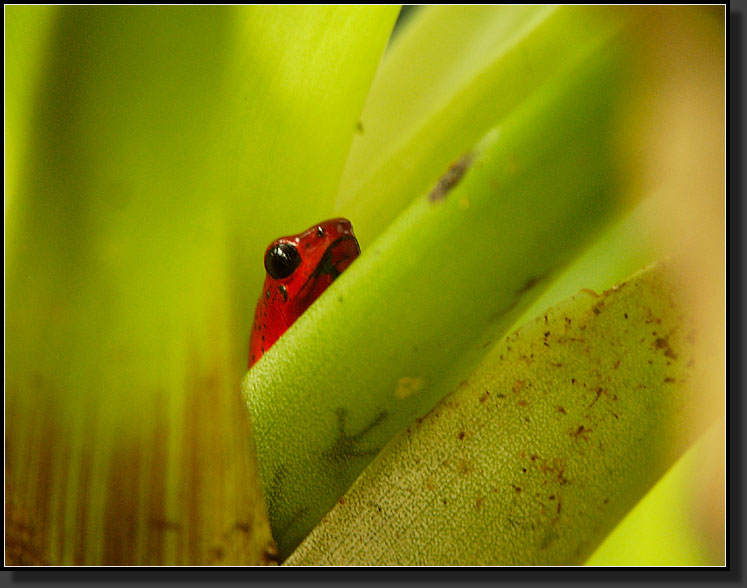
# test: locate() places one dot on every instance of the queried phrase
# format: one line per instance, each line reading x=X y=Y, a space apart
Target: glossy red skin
x=324 y=255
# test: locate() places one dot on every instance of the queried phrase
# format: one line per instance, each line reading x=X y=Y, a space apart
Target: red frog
x=299 y=268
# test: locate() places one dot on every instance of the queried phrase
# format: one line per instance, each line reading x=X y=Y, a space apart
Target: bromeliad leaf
x=532 y=460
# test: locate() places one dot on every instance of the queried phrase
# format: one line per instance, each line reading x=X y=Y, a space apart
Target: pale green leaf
x=534 y=458
x=452 y=74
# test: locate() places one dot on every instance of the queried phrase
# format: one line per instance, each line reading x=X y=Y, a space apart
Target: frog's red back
x=299 y=268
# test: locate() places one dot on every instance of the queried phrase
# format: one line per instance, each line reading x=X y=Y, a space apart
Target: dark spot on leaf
x=347 y=445
x=599 y=391
x=581 y=432
x=650 y=318
x=451 y=178
x=460 y=436
x=531 y=283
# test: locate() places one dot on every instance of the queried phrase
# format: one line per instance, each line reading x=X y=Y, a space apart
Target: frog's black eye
x=282 y=260
x=320 y=232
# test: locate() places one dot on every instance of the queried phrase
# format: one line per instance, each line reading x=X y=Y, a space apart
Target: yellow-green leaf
x=156 y=150
x=452 y=74
x=533 y=459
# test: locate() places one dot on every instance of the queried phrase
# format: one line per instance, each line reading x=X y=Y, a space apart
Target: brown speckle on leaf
x=581 y=432
x=451 y=178
x=531 y=283
x=650 y=318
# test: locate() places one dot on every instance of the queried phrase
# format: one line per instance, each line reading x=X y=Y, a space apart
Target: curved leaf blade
x=533 y=459
x=475 y=65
